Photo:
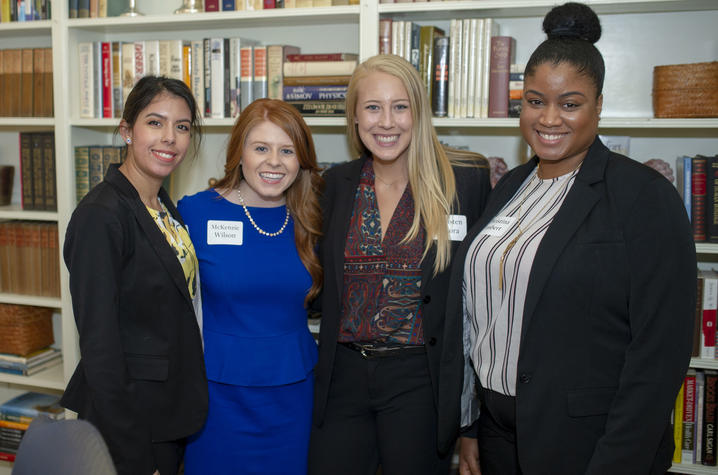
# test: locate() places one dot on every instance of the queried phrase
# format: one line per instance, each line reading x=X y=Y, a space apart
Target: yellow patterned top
x=178 y=238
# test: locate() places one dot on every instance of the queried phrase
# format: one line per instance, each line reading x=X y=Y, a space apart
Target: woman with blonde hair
x=255 y=233
x=391 y=221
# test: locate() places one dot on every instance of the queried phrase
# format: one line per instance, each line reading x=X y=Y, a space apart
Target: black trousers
x=379 y=411
x=497 y=434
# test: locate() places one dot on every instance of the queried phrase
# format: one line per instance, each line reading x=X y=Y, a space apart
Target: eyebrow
x=155 y=114
x=565 y=94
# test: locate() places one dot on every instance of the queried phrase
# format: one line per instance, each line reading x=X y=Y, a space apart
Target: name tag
x=457 y=227
x=224 y=232
x=499 y=225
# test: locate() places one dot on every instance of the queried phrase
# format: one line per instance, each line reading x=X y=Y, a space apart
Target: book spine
x=26 y=83
x=246 y=76
x=38 y=172
x=176 y=60
x=187 y=63
x=198 y=74
x=470 y=73
x=698 y=428
x=97 y=78
x=82 y=172
x=319 y=68
x=687 y=168
x=259 y=85
x=38 y=79
x=298 y=57
x=117 y=104
x=26 y=170
x=317 y=81
x=500 y=69
x=710 y=417
x=698 y=198
x=152 y=54
x=319 y=108
x=226 y=81
x=87 y=99
x=678 y=425
x=128 y=69
x=234 y=101
x=490 y=29
x=48 y=153
x=712 y=199
x=454 y=49
x=107 y=101
x=217 y=77
x=95 y=166
x=314 y=93
x=710 y=306
x=228 y=5
x=211 y=5
x=689 y=395
x=465 y=26
x=164 y=58
x=207 y=77
x=440 y=97
x=385 y=36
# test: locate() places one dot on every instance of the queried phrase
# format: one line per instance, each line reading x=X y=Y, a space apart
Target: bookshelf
x=632 y=43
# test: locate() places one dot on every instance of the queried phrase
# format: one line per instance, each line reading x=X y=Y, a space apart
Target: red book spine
x=295 y=58
x=710 y=418
x=269 y=4
x=7 y=456
x=502 y=54
x=211 y=5
x=698 y=198
x=689 y=399
x=107 y=79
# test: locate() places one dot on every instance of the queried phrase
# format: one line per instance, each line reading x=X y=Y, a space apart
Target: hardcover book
x=502 y=56
x=27 y=406
x=439 y=96
x=277 y=55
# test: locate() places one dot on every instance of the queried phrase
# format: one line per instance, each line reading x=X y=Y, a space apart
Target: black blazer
x=607 y=325
x=141 y=376
x=341 y=181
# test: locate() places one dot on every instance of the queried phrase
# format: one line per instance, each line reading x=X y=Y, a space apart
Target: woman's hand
x=469 y=456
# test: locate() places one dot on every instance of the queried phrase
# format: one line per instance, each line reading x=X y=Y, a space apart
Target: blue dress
x=259 y=353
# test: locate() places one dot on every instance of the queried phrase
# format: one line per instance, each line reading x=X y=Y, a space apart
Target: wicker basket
x=686 y=90
x=24 y=328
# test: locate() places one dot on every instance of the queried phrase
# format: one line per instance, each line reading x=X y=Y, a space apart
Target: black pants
x=497 y=434
x=379 y=411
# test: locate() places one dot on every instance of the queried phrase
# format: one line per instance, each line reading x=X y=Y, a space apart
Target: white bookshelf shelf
x=19 y=299
x=23 y=122
x=34 y=27
x=704 y=363
x=693 y=469
x=16 y=212
x=706 y=248
x=51 y=378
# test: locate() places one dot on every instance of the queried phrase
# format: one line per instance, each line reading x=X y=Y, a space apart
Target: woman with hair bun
x=577 y=287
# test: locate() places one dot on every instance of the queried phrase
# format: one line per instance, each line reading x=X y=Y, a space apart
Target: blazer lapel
x=343 y=206
x=578 y=203
x=156 y=238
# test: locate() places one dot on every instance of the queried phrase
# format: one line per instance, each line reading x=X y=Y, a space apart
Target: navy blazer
x=607 y=325
x=141 y=376
x=341 y=181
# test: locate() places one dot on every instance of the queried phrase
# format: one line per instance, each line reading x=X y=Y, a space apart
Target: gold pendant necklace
x=260 y=230
x=520 y=233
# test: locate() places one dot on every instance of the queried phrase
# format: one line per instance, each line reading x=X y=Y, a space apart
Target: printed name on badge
x=457 y=227
x=499 y=225
x=224 y=232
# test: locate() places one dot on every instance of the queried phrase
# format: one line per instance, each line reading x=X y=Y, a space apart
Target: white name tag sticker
x=457 y=227
x=224 y=232
x=499 y=225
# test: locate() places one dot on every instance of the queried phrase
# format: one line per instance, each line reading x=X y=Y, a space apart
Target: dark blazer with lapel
x=141 y=376
x=607 y=325
x=341 y=181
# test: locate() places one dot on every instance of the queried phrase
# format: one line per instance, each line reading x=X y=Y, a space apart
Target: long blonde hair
x=431 y=177
x=302 y=195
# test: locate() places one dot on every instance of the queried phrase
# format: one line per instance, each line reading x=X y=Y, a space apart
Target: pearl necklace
x=260 y=230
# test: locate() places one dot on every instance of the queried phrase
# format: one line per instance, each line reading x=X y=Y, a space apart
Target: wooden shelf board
x=38 y=301
x=51 y=378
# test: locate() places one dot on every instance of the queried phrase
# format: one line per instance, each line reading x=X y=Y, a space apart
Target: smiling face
x=559 y=116
x=383 y=117
x=159 y=138
x=269 y=165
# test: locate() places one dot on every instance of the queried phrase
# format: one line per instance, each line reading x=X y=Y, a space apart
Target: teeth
x=387 y=138
x=272 y=176
x=164 y=155
x=549 y=136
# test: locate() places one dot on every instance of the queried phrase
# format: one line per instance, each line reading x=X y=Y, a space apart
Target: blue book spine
x=228 y=5
x=314 y=93
x=687 y=184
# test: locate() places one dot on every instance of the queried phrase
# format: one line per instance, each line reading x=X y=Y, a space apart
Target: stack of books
x=695 y=417
x=697 y=182
x=316 y=84
x=26 y=82
x=37 y=171
x=91 y=164
x=27 y=365
x=24 y=10
x=29 y=258
x=17 y=414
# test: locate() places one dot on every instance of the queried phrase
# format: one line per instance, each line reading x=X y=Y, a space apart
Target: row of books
x=698 y=184
x=24 y=10
x=96 y=8
x=225 y=74
x=37 y=171
x=26 y=82
x=91 y=164
x=695 y=417
x=466 y=73
x=27 y=365
x=17 y=414
x=29 y=258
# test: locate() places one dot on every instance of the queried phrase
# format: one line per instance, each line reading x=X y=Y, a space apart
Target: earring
x=128 y=140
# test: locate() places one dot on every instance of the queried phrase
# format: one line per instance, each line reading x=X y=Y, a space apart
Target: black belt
x=380 y=350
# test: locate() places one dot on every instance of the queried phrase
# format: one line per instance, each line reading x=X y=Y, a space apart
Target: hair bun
x=572 y=20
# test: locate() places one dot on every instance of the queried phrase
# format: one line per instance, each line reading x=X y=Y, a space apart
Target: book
x=385 y=36
x=95 y=165
x=277 y=55
x=712 y=199
x=440 y=94
x=698 y=197
x=317 y=81
x=38 y=171
x=26 y=174
x=117 y=104
x=49 y=171
x=216 y=65
x=453 y=90
x=491 y=29
x=698 y=428
x=683 y=181
x=175 y=62
x=30 y=358
x=187 y=63
x=82 y=172
x=211 y=5
x=320 y=108
x=299 y=57
x=26 y=83
x=27 y=406
x=313 y=93
x=197 y=82
x=110 y=155
x=678 y=425
x=689 y=394
x=319 y=68
x=246 y=75
x=152 y=55
x=42 y=83
x=234 y=77
x=698 y=318
x=13 y=79
x=710 y=417
x=259 y=83
x=502 y=56
x=128 y=69
x=29 y=371
x=106 y=72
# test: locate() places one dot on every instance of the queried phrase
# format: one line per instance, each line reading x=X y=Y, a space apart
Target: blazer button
x=427 y=299
x=525 y=378
x=432 y=341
